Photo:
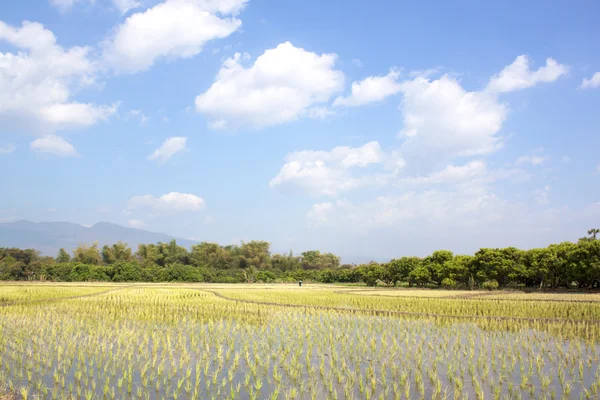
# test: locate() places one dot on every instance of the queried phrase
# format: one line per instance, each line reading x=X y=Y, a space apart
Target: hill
x=49 y=237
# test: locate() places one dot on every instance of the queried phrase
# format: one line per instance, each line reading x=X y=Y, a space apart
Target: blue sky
x=369 y=130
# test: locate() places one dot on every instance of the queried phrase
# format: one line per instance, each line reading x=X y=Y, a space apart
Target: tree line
x=561 y=265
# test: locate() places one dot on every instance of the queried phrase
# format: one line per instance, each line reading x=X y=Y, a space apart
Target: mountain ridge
x=49 y=237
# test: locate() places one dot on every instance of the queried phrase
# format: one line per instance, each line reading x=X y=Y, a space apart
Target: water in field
x=176 y=345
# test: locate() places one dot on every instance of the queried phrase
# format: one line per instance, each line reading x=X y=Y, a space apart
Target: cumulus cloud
x=283 y=84
x=170 y=30
x=370 y=90
x=125 y=5
x=464 y=206
x=441 y=118
x=53 y=145
x=36 y=83
x=519 y=75
x=452 y=174
x=168 y=149
x=593 y=82
x=170 y=202
x=329 y=173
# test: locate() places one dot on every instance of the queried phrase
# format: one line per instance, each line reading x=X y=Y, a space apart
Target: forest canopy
x=560 y=265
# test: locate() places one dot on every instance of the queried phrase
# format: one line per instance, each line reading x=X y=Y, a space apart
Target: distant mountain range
x=49 y=237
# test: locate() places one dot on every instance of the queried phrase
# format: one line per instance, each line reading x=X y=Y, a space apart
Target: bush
x=490 y=285
x=449 y=283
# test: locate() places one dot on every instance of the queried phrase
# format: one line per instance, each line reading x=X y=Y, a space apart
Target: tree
x=501 y=265
x=116 y=253
x=458 y=270
x=401 y=268
x=593 y=232
x=63 y=256
x=254 y=253
x=249 y=273
x=371 y=273
x=421 y=275
x=285 y=262
x=211 y=255
x=436 y=264
x=87 y=254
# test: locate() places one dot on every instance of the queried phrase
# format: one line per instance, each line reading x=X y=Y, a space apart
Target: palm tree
x=594 y=232
x=249 y=273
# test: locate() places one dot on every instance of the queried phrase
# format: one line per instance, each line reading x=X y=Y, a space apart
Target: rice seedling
x=176 y=342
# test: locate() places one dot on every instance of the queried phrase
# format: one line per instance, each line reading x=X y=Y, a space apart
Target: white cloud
x=593 y=82
x=332 y=172
x=441 y=119
x=53 y=145
x=137 y=114
x=170 y=30
x=125 y=5
x=565 y=159
x=63 y=5
x=168 y=149
x=136 y=223
x=317 y=215
x=533 y=160
x=284 y=84
x=36 y=83
x=170 y=202
x=7 y=149
x=519 y=75
x=461 y=206
x=541 y=196
x=452 y=174
x=371 y=89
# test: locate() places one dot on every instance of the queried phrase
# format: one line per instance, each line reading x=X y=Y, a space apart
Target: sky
x=368 y=129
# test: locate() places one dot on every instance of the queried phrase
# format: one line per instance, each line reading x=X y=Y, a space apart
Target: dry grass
x=429 y=293
x=512 y=295
x=6 y=394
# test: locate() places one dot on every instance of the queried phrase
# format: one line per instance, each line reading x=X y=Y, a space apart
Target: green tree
x=254 y=253
x=436 y=265
x=63 y=256
x=87 y=254
x=250 y=273
x=371 y=273
x=211 y=255
x=421 y=275
x=117 y=252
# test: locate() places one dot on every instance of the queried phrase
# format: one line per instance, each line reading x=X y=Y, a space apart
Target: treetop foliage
x=558 y=265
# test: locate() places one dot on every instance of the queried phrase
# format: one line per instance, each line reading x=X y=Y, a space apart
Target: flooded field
x=285 y=342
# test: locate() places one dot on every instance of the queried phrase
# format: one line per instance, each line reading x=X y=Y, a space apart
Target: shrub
x=490 y=285
x=449 y=283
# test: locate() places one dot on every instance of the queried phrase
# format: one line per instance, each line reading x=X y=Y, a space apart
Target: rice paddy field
x=152 y=341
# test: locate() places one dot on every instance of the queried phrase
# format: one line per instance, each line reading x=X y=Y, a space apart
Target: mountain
x=49 y=237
